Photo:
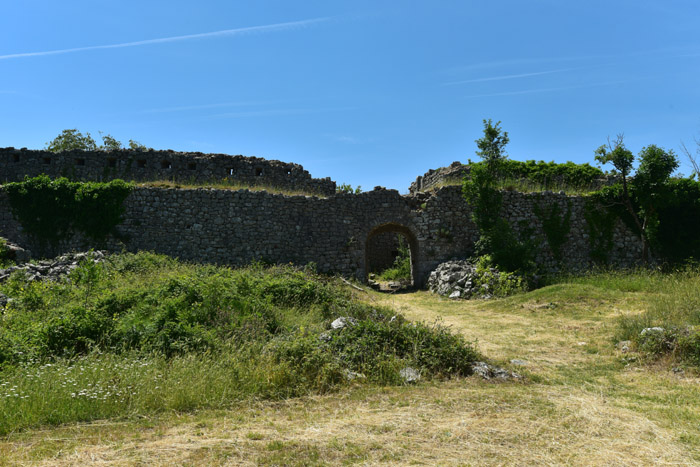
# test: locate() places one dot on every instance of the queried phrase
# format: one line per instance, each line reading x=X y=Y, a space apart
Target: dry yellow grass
x=579 y=405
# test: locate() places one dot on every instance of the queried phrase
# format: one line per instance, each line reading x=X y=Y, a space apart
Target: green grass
x=583 y=401
x=523 y=185
x=673 y=305
x=142 y=333
x=233 y=185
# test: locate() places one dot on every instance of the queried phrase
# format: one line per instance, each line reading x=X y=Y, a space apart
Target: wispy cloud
x=521 y=62
x=278 y=112
x=163 y=40
x=185 y=108
x=542 y=90
x=502 y=77
x=347 y=139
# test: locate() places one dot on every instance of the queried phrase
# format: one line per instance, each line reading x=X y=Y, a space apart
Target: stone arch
x=392 y=227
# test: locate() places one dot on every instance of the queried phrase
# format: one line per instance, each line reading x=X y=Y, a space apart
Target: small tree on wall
x=496 y=237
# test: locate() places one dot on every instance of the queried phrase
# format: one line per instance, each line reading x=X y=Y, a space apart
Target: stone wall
x=237 y=227
x=453 y=174
x=152 y=165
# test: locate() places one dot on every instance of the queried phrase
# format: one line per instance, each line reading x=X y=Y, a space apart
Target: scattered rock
x=489 y=372
x=16 y=253
x=459 y=279
x=53 y=269
x=353 y=375
x=342 y=322
x=624 y=346
x=410 y=375
x=654 y=330
x=515 y=361
x=325 y=336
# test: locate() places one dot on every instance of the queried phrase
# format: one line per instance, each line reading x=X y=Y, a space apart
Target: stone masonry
x=237 y=227
x=152 y=165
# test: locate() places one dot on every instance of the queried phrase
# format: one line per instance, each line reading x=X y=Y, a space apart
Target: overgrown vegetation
x=500 y=284
x=400 y=270
x=540 y=175
x=50 y=209
x=671 y=322
x=510 y=251
x=347 y=188
x=143 y=333
x=556 y=226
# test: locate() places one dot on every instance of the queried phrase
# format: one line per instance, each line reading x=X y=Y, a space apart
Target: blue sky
x=366 y=92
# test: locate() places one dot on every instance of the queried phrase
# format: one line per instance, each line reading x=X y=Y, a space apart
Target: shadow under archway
x=381 y=248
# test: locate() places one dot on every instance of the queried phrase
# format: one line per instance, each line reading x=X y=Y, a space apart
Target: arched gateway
x=381 y=248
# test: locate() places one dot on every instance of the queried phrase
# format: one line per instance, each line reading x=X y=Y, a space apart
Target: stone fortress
x=347 y=234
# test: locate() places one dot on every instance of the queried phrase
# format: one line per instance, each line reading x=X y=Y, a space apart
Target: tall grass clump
x=671 y=323
x=143 y=333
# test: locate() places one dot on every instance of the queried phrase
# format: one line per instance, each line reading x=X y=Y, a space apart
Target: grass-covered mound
x=669 y=326
x=142 y=333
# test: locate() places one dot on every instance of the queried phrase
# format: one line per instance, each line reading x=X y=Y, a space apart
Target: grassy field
x=582 y=400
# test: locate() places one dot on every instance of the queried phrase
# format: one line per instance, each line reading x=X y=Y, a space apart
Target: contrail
x=499 y=78
x=163 y=40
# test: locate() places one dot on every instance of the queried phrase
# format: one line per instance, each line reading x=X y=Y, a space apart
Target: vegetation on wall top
x=70 y=140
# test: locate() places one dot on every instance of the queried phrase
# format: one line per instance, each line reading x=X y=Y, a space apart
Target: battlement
x=151 y=165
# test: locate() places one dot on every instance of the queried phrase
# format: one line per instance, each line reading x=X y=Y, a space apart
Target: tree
x=693 y=158
x=642 y=194
x=109 y=143
x=510 y=252
x=136 y=146
x=347 y=188
x=492 y=146
x=70 y=140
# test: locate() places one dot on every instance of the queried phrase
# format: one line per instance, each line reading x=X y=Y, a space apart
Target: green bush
x=141 y=333
x=549 y=175
x=499 y=283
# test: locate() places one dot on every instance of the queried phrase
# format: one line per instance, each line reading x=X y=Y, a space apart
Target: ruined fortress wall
x=159 y=165
x=237 y=227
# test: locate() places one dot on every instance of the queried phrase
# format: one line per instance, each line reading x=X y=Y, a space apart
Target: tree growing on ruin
x=644 y=194
x=72 y=139
x=496 y=237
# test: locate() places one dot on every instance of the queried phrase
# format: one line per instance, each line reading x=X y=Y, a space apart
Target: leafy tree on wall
x=509 y=251
x=72 y=139
x=643 y=195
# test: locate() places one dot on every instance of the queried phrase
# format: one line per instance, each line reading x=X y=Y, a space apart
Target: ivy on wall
x=600 y=223
x=50 y=210
x=556 y=225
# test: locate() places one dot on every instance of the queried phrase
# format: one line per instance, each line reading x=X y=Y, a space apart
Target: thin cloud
x=164 y=40
x=347 y=140
x=502 y=77
x=202 y=107
x=278 y=112
x=542 y=90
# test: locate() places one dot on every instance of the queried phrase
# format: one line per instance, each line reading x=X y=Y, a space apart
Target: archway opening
x=391 y=251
